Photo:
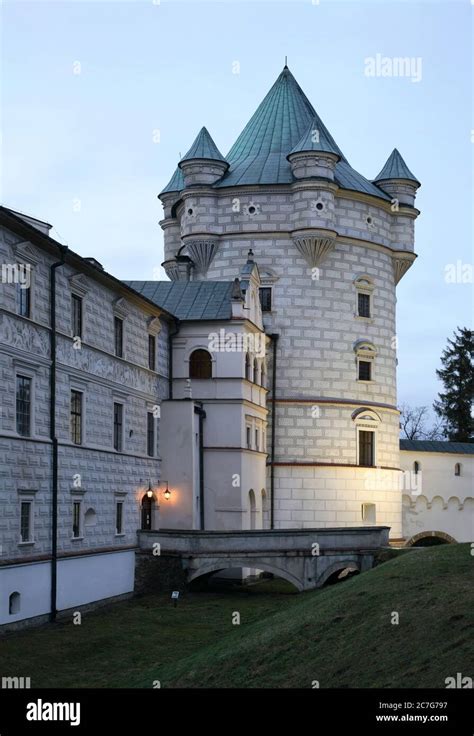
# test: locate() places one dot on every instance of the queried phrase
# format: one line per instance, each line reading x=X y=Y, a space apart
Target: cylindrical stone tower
x=331 y=245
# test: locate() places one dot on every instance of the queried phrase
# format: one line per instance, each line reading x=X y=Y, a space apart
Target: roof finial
x=286 y=62
x=250 y=255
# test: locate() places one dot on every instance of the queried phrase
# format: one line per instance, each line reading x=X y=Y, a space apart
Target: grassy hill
x=341 y=636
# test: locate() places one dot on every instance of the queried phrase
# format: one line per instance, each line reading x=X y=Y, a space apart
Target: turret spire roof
x=203 y=148
x=259 y=155
x=395 y=168
x=314 y=139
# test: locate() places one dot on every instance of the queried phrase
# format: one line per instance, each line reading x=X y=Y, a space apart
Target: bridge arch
x=338 y=566
x=441 y=536
x=225 y=563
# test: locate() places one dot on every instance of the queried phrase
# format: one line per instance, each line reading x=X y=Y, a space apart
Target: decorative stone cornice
x=121 y=308
x=314 y=245
x=202 y=252
x=79 y=284
x=401 y=263
x=172 y=269
x=154 y=325
x=25 y=253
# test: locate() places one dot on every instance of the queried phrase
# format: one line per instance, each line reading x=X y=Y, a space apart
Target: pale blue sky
x=168 y=66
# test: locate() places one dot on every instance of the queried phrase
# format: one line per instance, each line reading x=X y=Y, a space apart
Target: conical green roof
x=396 y=168
x=259 y=155
x=314 y=139
x=203 y=148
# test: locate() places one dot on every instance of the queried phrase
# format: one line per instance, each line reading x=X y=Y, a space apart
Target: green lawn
x=341 y=636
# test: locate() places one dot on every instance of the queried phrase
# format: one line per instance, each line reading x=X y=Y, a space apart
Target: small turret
x=314 y=155
x=203 y=163
x=397 y=180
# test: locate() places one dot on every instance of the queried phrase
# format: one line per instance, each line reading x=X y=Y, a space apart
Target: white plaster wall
x=441 y=501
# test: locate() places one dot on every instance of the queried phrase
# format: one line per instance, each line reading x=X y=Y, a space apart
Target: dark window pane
x=366 y=448
x=365 y=371
x=118 y=337
x=76 y=519
x=76 y=305
x=118 y=415
x=150 y=441
x=200 y=364
x=23 y=405
x=151 y=352
x=76 y=417
x=266 y=298
x=119 y=518
x=25 y=521
x=364 y=305
x=24 y=300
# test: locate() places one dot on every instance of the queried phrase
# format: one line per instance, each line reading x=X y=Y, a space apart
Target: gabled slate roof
x=314 y=139
x=259 y=155
x=461 y=448
x=203 y=148
x=189 y=300
x=396 y=168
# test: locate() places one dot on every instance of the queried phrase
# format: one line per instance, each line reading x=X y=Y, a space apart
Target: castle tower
x=331 y=246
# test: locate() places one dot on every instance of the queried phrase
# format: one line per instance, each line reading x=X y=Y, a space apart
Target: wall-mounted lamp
x=167 y=492
x=149 y=492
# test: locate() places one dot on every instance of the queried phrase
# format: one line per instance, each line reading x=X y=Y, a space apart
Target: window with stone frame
x=76 y=315
x=364 y=286
x=26 y=526
x=265 y=294
x=366 y=448
x=76 y=417
x=76 y=519
x=23 y=405
x=365 y=360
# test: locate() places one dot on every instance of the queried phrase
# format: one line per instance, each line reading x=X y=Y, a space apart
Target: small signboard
x=175 y=594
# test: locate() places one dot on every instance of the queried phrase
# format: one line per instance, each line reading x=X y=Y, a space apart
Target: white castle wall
x=443 y=502
x=314 y=311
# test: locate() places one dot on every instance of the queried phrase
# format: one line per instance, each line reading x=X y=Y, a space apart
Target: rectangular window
x=366 y=448
x=119 y=517
x=76 y=519
x=266 y=298
x=25 y=521
x=23 y=406
x=152 y=352
x=365 y=370
x=76 y=315
x=257 y=440
x=24 y=300
x=249 y=438
x=363 y=301
x=118 y=326
x=118 y=422
x=150 y=434
x=76 y=417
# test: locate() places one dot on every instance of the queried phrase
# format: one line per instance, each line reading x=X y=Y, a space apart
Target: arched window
x=14 y=603
x=200 y=364
x=148 y=504
x=416 y=467
x=248 y=367
x=457 y=469
x=252 y=509
x=255 y=370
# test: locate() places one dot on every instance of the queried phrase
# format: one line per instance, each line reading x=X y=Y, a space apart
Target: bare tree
x=413 y=424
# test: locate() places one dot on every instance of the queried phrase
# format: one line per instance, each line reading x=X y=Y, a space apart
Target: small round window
x=369 y=220
x=190 y=211
x=319 y=206
x=252 y=209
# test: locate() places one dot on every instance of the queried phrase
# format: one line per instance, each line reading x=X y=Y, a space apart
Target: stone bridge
x=304 y=557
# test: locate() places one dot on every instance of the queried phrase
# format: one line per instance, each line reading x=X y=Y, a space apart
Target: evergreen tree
x=455 y=403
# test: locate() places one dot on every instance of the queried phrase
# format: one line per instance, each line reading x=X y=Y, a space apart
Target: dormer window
x=364 y=293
